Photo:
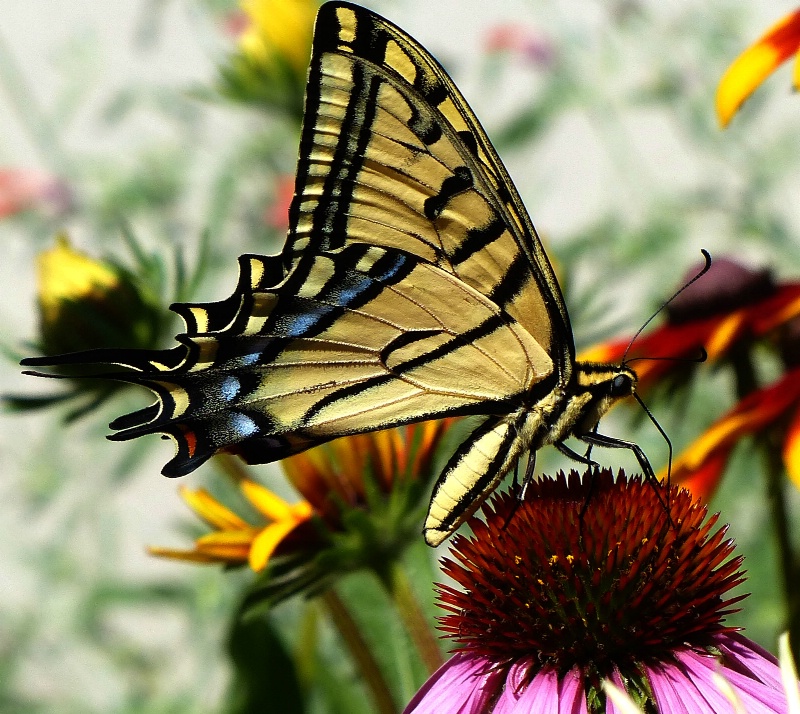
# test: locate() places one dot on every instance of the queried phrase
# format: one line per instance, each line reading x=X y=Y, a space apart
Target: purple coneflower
x=557 y=595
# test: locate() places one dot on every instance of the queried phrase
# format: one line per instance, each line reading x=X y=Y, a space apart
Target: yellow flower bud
x=86 y=303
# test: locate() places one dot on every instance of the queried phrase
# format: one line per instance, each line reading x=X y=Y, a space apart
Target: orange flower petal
x=177 y=554
x=791 y=450
x=703 y=481
x=796 y=73
x=227 y=538
x=216 y=554
x=223 y=553
x=268 y=503
x=755 y=64
x=212 y=511
x=751 y=414
x=721 y=435
x=427 y=436
x=604 y=353
x=725 y=334
x=266 y=542
x=781 y=316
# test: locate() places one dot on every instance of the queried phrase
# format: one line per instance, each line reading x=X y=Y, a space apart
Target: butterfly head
x=602 y=385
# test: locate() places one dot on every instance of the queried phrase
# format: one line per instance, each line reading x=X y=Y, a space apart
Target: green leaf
x=265 y=676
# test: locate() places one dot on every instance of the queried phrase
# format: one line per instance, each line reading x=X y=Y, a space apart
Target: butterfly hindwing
x=359 y=346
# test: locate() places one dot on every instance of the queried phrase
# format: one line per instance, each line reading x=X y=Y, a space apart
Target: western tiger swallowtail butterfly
x=412 y=286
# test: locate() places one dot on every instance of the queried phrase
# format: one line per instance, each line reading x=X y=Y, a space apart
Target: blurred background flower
x=364 y=498
x=526 y=43
x=701 y=465
x=756 y=63
x=274 y=46
x=26 y=189
x=86 y=303
x=235 y=541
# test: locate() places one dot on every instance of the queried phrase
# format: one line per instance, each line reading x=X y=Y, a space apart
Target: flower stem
x=366 y=663
x=769 y=443
x=413 y=617
x=790 y=572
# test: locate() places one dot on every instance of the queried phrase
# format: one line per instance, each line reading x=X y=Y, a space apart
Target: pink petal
x=462 y=685
x=516 y=680
x=541 y=695
x=751 y=658
x=680 y=692
x=756 y=696
x=546 y=692
x=617 y=681
x=572 y=695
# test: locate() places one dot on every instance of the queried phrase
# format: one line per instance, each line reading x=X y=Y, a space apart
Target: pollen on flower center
x=618 y=581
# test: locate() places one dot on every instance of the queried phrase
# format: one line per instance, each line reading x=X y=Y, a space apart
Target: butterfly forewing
x=391 y=154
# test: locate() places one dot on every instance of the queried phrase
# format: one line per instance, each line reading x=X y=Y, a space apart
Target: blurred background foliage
x=155 y=141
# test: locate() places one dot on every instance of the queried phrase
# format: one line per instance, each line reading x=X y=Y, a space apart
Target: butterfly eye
x=621 y=386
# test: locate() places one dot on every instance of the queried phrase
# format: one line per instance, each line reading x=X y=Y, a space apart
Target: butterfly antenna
x=697 y=277
x=702 y=357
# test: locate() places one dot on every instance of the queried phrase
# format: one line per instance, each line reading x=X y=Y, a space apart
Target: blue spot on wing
x=347 y=295
x=305 y=322
x=356 y=285
x=242 y=425
x=349 y=288
x=231 y=387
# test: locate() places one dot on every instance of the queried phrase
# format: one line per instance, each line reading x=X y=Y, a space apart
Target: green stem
x=790 y=572
x=744 y=372
x=769 y=443
x=413 y=617
x=366 y=663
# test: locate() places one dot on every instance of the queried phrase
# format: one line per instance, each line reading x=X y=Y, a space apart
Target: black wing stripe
x=477 y=239
x=394 y=175
x=460 y=181
x=487 y=327
x=515 y=279
x=455 y=343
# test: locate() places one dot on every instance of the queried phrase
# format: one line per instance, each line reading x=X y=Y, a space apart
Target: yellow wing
x=412 y=284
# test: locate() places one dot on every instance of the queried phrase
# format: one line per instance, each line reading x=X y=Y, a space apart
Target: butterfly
x=412 y=286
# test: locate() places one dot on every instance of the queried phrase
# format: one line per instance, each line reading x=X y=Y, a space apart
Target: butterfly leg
x=530 y=468
x=588 y=453
x=594 y=439
x=581 y=459
x=574 y=455
x=515 y=482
